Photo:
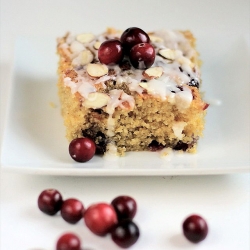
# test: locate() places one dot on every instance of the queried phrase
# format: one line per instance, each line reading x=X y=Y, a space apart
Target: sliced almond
x=167 y=53
x=96 y=100
x=76 y=47
x=185 y=61
x=112 y=31
x=85 y=37
x=143 y=85
x=85 y=57
x=97 y=45
x=97 y=69
x=154 y=72
x=155 y=39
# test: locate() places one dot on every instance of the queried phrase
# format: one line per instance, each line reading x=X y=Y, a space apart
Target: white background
x=163 y=202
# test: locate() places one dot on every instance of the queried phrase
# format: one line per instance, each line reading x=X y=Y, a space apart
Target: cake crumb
x=52 y=105
x=166 y=152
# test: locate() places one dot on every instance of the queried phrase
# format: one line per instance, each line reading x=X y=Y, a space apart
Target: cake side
x=137 y=111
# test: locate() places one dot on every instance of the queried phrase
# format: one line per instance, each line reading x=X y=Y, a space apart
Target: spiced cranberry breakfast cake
x=131 y=90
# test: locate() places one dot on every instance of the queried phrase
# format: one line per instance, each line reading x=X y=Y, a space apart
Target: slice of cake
x=131 y=90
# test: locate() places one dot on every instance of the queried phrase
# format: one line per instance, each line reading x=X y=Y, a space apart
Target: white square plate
x=34 y=140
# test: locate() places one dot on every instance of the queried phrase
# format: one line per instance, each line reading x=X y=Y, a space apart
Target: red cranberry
x=125 y=233
x=195 y=228
x=125 y=207
x=110 y=51
x=100 y=218
x=72 y=210
x=68 y=241
x=50 y=201
x=142 y=55
x=82 y=149
x=133 y=36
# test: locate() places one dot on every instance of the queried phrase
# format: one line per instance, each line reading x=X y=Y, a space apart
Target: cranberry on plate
x=82 y=149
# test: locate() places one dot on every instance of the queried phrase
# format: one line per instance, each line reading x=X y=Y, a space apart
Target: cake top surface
x=175 y=68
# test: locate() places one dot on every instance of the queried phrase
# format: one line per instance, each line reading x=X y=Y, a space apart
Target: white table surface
x=163 y=202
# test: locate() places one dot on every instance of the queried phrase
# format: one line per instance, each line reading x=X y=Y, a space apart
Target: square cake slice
x=126 y=107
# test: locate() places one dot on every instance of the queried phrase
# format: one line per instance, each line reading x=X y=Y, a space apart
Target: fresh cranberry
x=125 y=207
x=68 y=241
x=72 y=210
x=195 y=228
x=100 y=218
x=125 y=233
x=110 y=51
x=50 y=201
x=82 y=149
x=142 y=55
x=133 y=36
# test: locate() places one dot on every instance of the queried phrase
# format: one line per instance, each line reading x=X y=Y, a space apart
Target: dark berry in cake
x=194 y=83
x=181 y=146
x=142 y=55
x=133 y=36
x=110 y=52
x=155 y=146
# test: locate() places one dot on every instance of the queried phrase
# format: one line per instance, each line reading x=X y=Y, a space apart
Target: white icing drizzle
x=183 y=98
x=82 y=85
x=103 y=79
x=71 y=84
x=178 y=129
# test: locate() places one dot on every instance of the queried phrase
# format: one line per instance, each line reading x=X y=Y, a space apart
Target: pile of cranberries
x=134 y=44
x=115 y=218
